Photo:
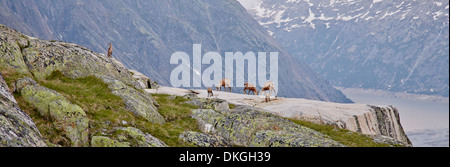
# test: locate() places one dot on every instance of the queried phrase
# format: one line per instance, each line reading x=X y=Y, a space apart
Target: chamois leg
x=276 y=95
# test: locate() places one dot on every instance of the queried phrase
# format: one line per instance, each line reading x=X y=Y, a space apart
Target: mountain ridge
x=398 y=46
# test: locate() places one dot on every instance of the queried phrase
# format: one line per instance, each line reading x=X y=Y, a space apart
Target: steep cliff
x=377 y=121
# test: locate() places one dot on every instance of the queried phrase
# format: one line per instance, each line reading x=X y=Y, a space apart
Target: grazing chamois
x=251 y=88
x=269 y=86
x=224 y=83
x=210 y=92
x=267 y=97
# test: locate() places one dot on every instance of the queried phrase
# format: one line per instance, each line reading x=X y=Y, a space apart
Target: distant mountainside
x=399 y=46
x=145 y=33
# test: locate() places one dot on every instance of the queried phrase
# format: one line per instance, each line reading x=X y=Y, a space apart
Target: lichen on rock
x=40 y=58
x=218 y=105
x=40 y=97
x=17 y=129
x=204 y=140
x=22 y=83
x=66 y=117
x=102 y=141
x=139 y=103
x=249 y=126
x=137 y=138
x=70 y=119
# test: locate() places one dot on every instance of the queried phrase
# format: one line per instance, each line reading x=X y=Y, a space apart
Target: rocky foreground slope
x=37 y=59
x=16 y=128
x=37 y=108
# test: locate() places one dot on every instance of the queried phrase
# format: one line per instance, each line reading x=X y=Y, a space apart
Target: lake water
x=425 y=122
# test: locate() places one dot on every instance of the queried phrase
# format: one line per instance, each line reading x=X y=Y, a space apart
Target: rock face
x=389 y=123
x=40 y=58
x=137 y=138
x=400 y=46
x=16 y=128
x=366 y=119
x=247 y=126
x=204 y=140
x=144 y=81
x=141 y=104
x=71 y=120
x=102 y=141
x=127 y=137
x=22 y=83
x=146 y=33
x=66 y=117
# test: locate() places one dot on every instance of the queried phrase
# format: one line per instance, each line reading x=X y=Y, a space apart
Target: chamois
x=224 y=83
x=251 y=88
x=269 y=86
x=210 y=92
x=267 y=97
x=110 y=50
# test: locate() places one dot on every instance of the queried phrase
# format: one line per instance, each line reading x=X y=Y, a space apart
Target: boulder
x=71 y=120
x=248 y=126
x=282 y=138
x=139 y=103
x=204 y=140
x=215 y=104
x=137 y=138
x=143 y=81
x=40 y=97
x=22 y=83
x=102 y=141
x=66 y=117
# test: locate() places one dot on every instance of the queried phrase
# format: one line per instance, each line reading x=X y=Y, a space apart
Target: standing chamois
x=210 y=92
x=110 y=50
x=269 y=86
x=224 y=83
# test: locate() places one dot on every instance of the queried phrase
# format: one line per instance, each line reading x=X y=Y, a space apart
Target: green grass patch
x=232 y=106
x=178 y=118
x=10 y=75
x=106 y=110
x=343 y=136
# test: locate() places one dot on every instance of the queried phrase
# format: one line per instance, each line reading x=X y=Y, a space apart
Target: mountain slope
x=399 y=46
x=146 y=33
x=62 y=94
